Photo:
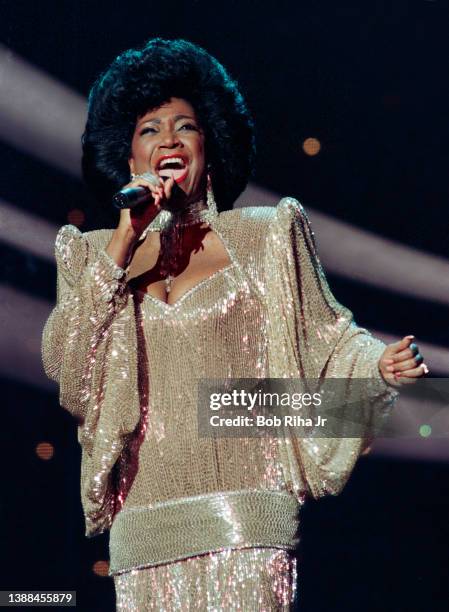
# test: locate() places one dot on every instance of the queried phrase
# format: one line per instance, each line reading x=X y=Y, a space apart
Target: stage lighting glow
x=76 y=217
x=39 y=115
x=45 y=451
x=311 y=146
x=371 y=259
x=26 y=231
x=425 y=431
x=100 y=568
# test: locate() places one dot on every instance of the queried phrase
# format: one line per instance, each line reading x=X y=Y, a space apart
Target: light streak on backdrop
x=21 y=323
x=40 y=115
x=27 y=232
x=360 y=255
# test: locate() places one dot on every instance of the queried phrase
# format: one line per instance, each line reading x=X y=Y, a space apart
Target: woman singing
x=184 y=289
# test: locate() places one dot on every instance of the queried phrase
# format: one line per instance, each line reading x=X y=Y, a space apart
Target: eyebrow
x=176 y=118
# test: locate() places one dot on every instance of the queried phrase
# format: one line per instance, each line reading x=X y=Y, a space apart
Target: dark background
x=369 y=80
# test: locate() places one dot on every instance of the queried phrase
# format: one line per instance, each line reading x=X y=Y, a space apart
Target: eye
x=147 y=129
x=189 y=126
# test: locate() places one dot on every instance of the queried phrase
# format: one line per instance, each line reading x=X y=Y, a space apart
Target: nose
x=169 y=139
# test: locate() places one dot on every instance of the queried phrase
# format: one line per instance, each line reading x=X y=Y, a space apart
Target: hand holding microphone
x=140 y=190
x=132 y=196
x=141 y=200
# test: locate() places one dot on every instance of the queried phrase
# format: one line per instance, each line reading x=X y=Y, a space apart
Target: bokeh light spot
x=311 y=146
x=76 y=217
x=45 y=450
x=101 y=568
x=425 y=431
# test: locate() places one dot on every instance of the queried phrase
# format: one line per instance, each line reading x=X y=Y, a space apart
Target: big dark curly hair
x=142 y=79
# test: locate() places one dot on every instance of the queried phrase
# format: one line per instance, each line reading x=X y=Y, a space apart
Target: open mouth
x=173 y=166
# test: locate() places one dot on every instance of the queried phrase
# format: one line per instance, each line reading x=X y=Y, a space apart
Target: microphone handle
x=131 y=197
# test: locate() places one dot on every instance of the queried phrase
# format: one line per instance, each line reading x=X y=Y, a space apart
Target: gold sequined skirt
x=247 y=580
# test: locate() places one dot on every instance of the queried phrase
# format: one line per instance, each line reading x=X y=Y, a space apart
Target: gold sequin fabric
x=250 y=580
x=128 y=367
x=188 y=526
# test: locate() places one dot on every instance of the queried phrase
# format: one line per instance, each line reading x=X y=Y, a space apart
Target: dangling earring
x=211 y=204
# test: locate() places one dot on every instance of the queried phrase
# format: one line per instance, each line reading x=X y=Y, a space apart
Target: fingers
x=168 y=187
x=391 y=379
x=409 y=353
x=152 y=182
x=412 y=374
x=401 y=356
x=397 y=347
x=147 y=177
x=404 y=380
x=407 y=364
x=160 y=190
x=402 y=362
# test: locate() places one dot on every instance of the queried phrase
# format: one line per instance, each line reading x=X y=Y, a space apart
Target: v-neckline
x=187 y=293
x=233 y=263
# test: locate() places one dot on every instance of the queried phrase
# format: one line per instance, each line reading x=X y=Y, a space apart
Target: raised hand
x=401 y=362
x=133 y=221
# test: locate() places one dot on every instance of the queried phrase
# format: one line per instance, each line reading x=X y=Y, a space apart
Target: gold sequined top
x=127 y=365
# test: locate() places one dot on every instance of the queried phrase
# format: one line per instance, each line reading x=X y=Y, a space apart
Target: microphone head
x=120 y=200
x=131 y=197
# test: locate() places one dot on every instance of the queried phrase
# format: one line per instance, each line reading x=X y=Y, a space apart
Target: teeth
x=171 y=160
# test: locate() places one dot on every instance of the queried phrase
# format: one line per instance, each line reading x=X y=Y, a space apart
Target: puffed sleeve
x=91 y=289
x=88 y=347
x=319 y=339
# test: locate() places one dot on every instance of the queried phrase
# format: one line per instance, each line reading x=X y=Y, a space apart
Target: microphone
x=131 y=197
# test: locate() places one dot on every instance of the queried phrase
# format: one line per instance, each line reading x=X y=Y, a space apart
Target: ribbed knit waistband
x=190 y=526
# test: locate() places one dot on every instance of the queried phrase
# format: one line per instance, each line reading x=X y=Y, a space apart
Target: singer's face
x=169 y=141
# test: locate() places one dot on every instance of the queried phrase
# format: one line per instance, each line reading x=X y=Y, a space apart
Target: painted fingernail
x=410 y=337
x=425 y=368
